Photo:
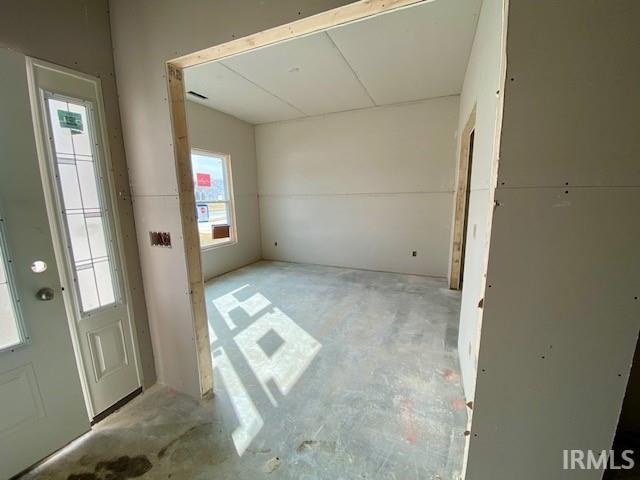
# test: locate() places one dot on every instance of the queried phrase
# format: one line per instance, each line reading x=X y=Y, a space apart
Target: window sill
x=218 y=245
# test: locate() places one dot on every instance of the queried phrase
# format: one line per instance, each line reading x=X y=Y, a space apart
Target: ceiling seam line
x=355 y=74
x=263 y=89
x=368 y=107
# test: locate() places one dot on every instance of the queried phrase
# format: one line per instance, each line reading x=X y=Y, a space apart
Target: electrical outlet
x=160 y=239
x=414 y=254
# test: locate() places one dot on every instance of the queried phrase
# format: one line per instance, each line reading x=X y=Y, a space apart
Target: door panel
x=20 y=397
x=42 y=406
x=108 y=349
x=77 y=171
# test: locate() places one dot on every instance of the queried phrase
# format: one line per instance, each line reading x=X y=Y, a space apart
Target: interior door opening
x=463 y=197
x=466 y=209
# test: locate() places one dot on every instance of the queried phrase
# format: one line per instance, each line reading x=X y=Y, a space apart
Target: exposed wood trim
x=189 y=227
x=461 y=201
x=305 y=26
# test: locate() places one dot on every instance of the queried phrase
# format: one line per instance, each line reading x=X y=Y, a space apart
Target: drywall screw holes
x=566 y=191
x=542 y=357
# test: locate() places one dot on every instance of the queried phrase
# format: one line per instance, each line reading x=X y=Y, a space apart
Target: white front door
x=41 y=401
x=76 y=166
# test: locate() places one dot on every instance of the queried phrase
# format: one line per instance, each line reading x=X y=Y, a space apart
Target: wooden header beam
x=305 y=26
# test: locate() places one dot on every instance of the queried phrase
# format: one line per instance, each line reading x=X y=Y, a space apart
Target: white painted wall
x=218 y=132
x=562 y=315
x=482 y=81
x=361 y=189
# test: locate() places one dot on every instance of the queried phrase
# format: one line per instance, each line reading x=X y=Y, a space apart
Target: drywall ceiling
x=410 y=54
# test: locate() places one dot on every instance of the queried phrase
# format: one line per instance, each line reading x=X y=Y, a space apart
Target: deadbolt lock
x=45 y=294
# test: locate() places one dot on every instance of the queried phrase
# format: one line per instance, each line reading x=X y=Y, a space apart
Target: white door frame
x=48 y=185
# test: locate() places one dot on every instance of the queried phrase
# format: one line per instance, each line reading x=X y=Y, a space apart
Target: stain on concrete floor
x=120 y=468
x=379 y=400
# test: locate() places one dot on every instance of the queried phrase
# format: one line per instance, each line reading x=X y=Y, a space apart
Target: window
x=84 y=212
x=10 y=331
x=214 y=198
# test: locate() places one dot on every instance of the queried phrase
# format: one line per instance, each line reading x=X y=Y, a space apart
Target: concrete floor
x=320 y=373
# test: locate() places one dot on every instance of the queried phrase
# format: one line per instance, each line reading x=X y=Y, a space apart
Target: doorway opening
x=467 y=205
x=463 y=195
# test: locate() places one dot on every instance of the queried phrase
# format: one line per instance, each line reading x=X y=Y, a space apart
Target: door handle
x=45 y=294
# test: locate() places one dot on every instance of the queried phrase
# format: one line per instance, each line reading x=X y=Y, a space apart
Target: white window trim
x=228 y=175
x=23 y=336
x=103 y=195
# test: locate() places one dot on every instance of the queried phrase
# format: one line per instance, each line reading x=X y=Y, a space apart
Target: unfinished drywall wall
x=28 y=26
x=221 y=133
x=361 y=189
x=561 y=307
x=482 y=83
x=146 y=34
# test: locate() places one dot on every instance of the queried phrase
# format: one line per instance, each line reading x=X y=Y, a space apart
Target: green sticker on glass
x=70 y=120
